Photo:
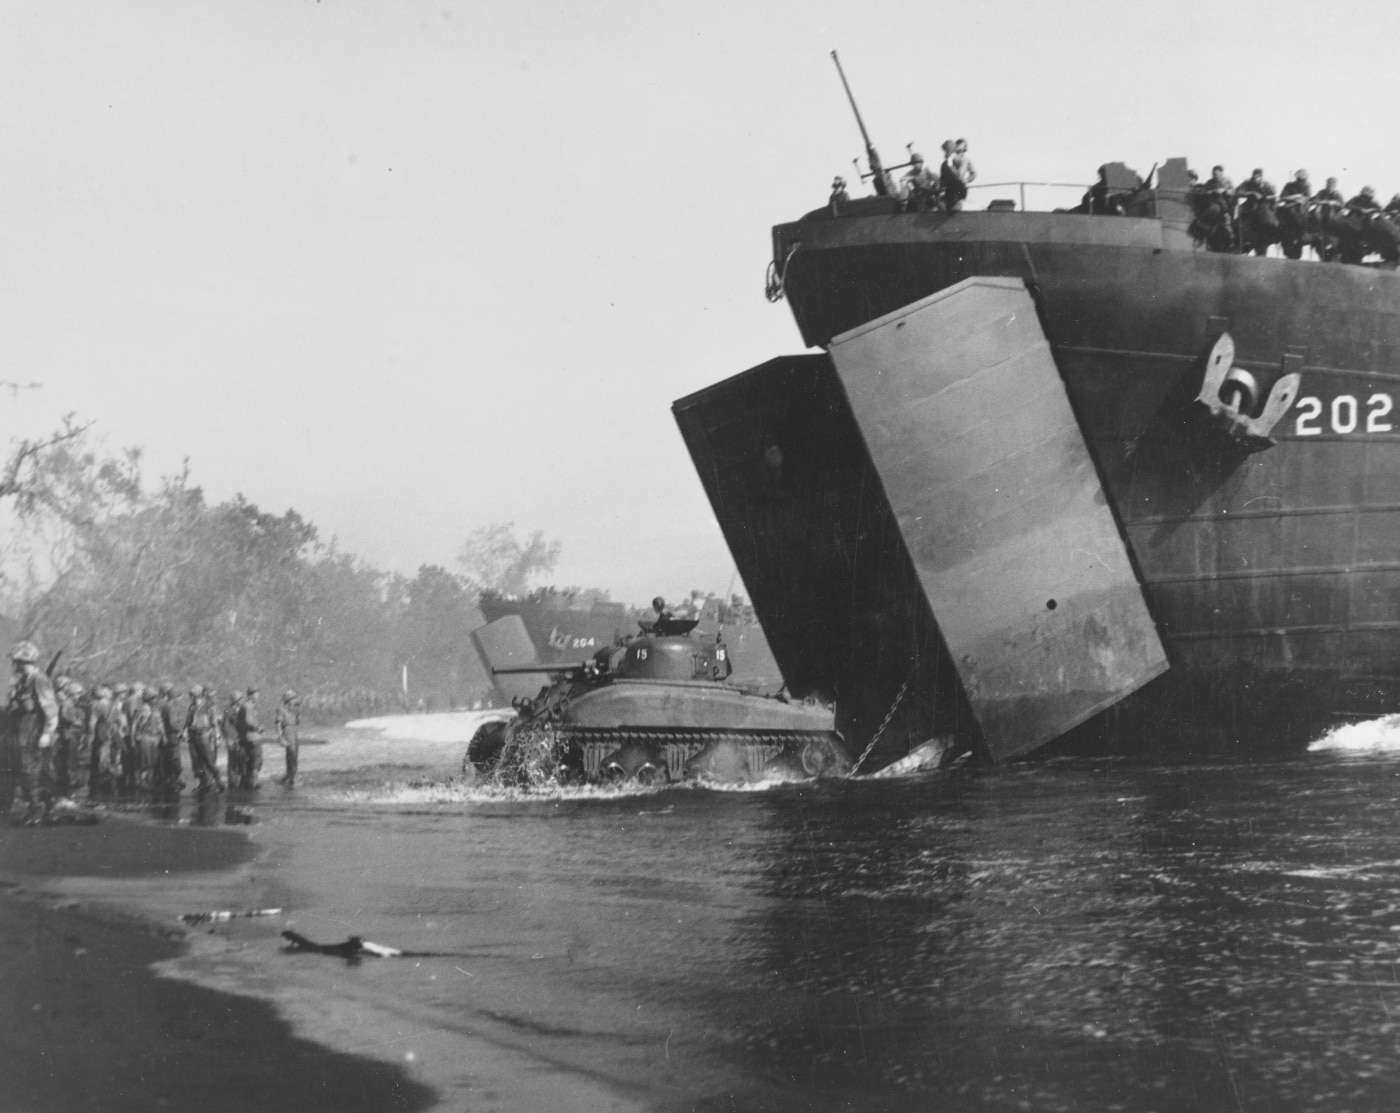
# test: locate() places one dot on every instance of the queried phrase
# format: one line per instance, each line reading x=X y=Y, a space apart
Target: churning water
x=1075 y=935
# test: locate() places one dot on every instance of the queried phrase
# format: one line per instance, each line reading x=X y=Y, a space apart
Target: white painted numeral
x=1309 y=410
x=1381 y=404
x=1343 y=404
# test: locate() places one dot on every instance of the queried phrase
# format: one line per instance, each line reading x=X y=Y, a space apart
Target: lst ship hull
x=1272 y=576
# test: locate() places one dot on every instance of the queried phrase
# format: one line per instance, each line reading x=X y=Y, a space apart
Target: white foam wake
x=1373 y=736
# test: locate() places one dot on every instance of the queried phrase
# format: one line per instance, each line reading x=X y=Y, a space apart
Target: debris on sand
x=352 y=948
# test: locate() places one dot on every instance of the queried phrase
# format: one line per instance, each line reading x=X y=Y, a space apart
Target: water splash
x=1373 y=736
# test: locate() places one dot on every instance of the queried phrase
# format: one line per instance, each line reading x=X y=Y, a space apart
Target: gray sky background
x=412 y=268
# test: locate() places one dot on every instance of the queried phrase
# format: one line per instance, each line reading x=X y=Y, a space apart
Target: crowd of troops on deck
x=61 y=740
x=1245 y=219
x=1252 y=217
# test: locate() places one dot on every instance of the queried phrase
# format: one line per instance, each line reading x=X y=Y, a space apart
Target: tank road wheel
x=816 y=758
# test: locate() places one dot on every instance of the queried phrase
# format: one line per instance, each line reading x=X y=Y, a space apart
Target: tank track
x=543 y=752
x=677 y=745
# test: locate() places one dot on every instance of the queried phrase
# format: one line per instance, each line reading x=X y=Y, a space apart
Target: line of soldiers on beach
x=60 y=739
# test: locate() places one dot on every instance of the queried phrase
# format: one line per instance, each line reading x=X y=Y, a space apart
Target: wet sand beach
x=87 y=1023
x=110 y=1001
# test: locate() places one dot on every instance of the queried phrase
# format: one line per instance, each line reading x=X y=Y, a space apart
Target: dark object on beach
x=353 y=948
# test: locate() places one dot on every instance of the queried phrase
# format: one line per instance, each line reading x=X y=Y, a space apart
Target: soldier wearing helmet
x=839 y=199
x=919 y=186
x=71 y=756
x=248 y=735
x=228 y=731
x=27 y=738
x=168 y=768
x=147 y=734
x=288 y=722
x=200 y=730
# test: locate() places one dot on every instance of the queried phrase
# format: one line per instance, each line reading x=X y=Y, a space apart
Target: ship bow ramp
x=922 y=528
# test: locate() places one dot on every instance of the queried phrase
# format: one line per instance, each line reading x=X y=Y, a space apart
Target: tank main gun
x=877 y=169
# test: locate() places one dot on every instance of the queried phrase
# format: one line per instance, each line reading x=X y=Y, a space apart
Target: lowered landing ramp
x=968 y=426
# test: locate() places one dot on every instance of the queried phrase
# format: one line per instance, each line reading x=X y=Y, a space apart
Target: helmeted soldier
x=71 y=757
x=1213 y=202
x=249 y=740
x=1257 y=219
x=228 y=731
x=1373 y=232
x=919 y=186
x=950 y=178
x=147 y=734
x=104 y=730
x=27 y=736
x=288 y=723
x=199 y=733
x=168 y=766
x=839 y=199
x=1293 y=211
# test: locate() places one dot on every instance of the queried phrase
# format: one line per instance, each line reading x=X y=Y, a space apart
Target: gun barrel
x=574 y=667
x=877 y=171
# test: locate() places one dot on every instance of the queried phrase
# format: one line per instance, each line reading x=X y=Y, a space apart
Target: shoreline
x=88 y=1021
x=109 y=1002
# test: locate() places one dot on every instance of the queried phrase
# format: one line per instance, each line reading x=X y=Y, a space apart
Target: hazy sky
x=412 y=268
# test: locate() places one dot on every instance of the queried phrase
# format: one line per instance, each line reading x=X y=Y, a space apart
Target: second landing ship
x=1057 y=473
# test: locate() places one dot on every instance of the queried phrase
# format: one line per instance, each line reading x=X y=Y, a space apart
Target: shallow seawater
x=1076 y=935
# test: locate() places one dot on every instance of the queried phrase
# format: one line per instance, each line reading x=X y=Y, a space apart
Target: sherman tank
x=656 y=707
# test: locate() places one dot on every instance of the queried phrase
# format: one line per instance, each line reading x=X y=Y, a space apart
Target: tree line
x=141 y=581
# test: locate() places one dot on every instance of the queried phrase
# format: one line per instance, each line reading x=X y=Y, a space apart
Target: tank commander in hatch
x=919 y=186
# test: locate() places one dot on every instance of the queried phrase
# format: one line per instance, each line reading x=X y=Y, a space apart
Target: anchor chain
x=888 y=716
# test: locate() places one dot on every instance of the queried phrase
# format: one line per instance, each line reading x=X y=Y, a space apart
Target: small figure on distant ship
x=1258 y=221
x=919 y=186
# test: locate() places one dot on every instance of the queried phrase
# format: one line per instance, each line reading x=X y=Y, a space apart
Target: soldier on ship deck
x=839 y=200
x=1293 y=205
x=919 y=186
x=1214 y=204
x=950 y=177
x=1258 y=222
x=1370 y=229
